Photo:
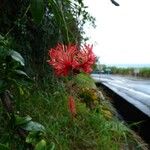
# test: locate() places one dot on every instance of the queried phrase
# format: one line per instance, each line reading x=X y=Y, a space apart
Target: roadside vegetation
x=130 y=71
x=44 y=105
x=139 y=72
x=144 y=72
x=94 y=126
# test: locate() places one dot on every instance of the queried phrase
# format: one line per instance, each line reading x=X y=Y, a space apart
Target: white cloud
x=123 y=33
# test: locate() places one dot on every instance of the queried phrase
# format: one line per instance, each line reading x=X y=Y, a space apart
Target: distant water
x=130 y=65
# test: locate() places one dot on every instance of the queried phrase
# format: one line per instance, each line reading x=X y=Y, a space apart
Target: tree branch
x=115 y=3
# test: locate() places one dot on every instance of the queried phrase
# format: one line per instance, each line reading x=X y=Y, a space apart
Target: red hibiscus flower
x=86 y=59
x=62 y=59
x=69 y=59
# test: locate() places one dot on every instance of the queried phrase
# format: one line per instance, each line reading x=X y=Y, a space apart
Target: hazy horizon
x=130 y=65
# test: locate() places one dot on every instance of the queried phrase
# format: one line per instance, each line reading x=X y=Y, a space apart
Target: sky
x=122 y=35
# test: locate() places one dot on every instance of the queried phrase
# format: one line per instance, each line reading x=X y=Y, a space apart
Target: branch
x=115 y=3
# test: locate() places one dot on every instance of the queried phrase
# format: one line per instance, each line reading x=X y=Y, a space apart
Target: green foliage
x=27 y=124
x=41 y=145
x=91 y=129
x=10 y=69
x=37 y=10
x=36 y=139
x=89 y=96
x=143 y=72
x=11 y=66
x=35 y=26
x=17 y=57
x=3 y=147
x=22 y=120
x=84 y=81
x=122 y=71
x=33 y=126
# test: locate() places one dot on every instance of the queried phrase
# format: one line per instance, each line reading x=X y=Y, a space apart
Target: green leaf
x=33 y=126
x=22 y=120
x=41 y=145
x=33 y=137
x=53 y=146
x=21 y=91
x=17 y=57
x=37 y=10
x=20 y=72
x=3 y=147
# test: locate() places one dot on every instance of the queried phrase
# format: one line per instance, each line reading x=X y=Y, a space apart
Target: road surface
x=135 y=91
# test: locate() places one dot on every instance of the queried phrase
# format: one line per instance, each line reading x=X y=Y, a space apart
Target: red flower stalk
x=72 y=107
x=69 y=59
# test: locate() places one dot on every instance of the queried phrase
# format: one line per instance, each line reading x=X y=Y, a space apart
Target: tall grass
x=89 y=130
